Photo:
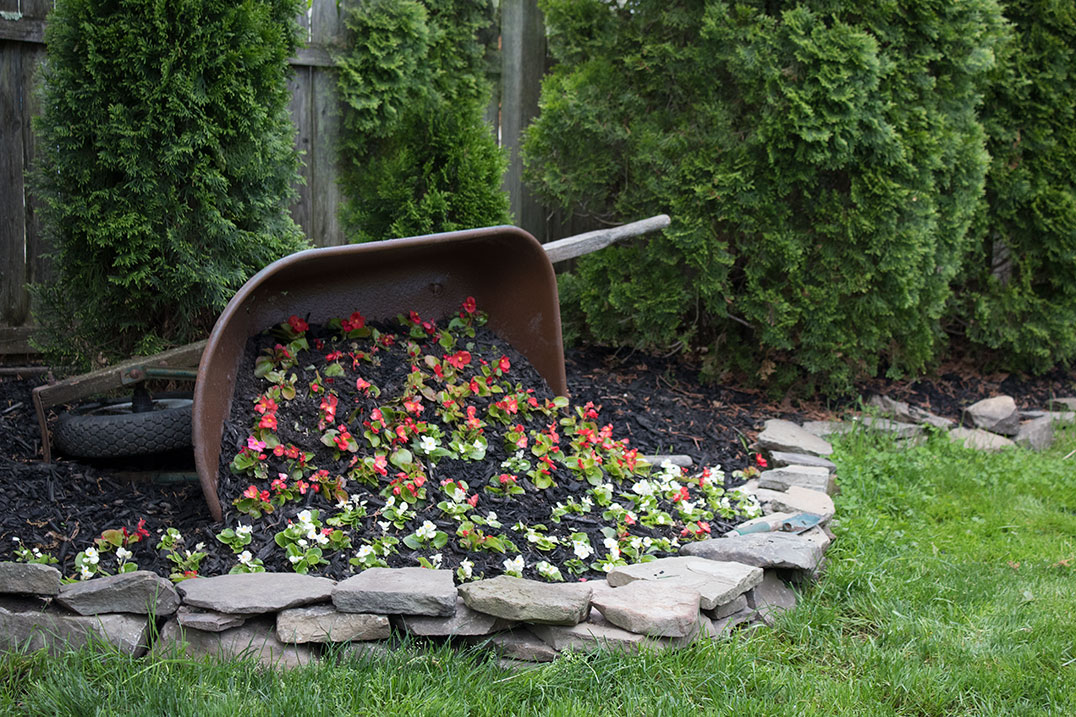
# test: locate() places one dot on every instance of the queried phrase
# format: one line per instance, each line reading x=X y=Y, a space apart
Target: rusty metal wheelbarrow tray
x=504 y=268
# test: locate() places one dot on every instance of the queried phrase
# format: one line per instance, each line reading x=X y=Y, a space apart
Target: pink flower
x=761 y=461
x=254 y=444
x=268 y=421
x=504 y=364
x=473 y=500
x=362 y=385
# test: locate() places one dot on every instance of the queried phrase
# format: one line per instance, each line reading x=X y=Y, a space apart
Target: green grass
x=950 y=591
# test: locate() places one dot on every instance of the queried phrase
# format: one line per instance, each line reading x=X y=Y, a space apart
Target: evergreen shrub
x=822 y=162
x=1019 y=296
x=417 y=155
x=166 y=162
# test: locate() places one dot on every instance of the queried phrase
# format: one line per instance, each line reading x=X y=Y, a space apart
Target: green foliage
x=417 y=155
x=166 y=162
x=1027 y=309
x=822 y=164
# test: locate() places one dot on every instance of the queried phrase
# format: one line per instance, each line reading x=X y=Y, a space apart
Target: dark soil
x=655 y=402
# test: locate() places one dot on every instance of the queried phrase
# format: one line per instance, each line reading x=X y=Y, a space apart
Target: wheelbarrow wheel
x=116 y=429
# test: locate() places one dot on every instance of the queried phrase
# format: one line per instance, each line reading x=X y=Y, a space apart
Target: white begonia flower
x=611 y=544
x=608 y=567
x=391 y=501
x=478 y=445
x=312 y=534
x=243 y=529
x=458 y=496
x=85 y=573
x=643 y=488
x=548 y=570
x=687 y=506
x=466 y=568
x=384 y=525
x=91 y=556
x=586 y=502
x=200 y=546
x=636 y=543
x=435 y=560
x=365 y=551
x=123 y=554
x=514 y=565
x=667 y=466
x=582 y=549
x=305 y=517
x=303 y=542
x=321 y=539
x=491 y=520
x=427 y=444
x=426 y=531
x=245 y=557
x=293 y=559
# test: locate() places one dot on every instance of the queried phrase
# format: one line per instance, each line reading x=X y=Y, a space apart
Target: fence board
x=14 y=300
x=326 y=32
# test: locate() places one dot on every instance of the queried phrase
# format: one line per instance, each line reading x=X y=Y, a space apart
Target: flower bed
x=360 y=445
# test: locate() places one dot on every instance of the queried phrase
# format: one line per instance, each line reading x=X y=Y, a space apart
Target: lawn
x=948 y=592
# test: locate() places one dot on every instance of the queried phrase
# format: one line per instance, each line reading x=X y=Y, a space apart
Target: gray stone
x=823 y=429
x=324 y=623
x=781 y=435
x=1036 y=434
x=142 y=592
x=764 y=550
x=724 y=626
x=981 y=440
x=651 y=607
x=521 y=644
x=802 y=500
x=507 y=663
x=255 y=593
x=997 y=415
x=784 y=458
x=680 y=461
x=529 y=600
x=716 y=581
x=897 y=429
x=398 y=591
x=771 y=597
x=29 y=579
x=1062 y=404
x=24 y=624
x=901 y=411
x=465 y=622
x=738 y=604
x=589 y=637
x=812 y=477
x=704 y=630
x=255 y=640
x=819 y=536
x=207 y=620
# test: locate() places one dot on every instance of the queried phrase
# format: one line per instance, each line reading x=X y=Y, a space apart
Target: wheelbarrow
x=507 y=271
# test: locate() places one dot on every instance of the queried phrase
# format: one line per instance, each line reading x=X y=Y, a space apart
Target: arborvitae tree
x=1020 y=295
x=417 y=156
x=166 y=165
x=821 y=161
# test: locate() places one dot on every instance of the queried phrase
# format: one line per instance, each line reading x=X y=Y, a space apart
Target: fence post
x=523 y=63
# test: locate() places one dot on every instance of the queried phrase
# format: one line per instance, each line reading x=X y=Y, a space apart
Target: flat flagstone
x=1062 y=404
x=784 y=458
x=207 y=620
x=738 y=604
x=901 y=411
x=256 y=639
x=782 y=435
x=716 y=581
x=724 y=626
x=822 y=429
x=254 y=593
x=802 y=500
x=26 y=624
x=899 y=429
x=812 y=477
x=588 y=636
x=981 y=440
x=1036 y=434
x=141 y=592
x=763 y=550
x=465 y=622
x=678 y=460
x=324 y=623
x=770 y=597
x=529 y=601
x=29 y=578
x=521 y=644
x=819 y=537
x=997 y=415
x=397 y=591
x=650 y=607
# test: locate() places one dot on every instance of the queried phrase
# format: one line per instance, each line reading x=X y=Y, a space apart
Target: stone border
x=286 y=619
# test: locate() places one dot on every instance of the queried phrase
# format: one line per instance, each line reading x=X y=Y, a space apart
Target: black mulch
x=655 y=402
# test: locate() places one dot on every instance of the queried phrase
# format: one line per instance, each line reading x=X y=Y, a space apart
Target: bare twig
x=580 y=244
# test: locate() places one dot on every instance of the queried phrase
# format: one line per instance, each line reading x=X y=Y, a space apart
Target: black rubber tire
x=105 y=430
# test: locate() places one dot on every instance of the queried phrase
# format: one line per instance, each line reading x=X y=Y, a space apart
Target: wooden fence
x=314 y=110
